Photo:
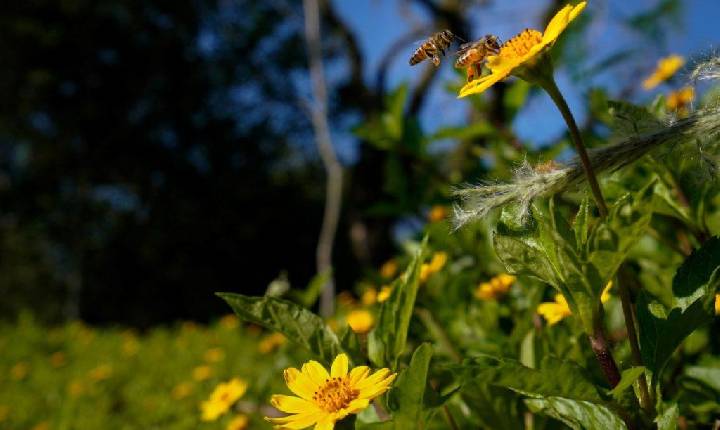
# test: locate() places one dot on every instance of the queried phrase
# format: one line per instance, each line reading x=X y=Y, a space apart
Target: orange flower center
x=520 y=45
x=335 y=394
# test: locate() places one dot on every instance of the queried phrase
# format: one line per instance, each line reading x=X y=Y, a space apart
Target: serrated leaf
x=387 y=340
x=694 y=286
x=577 y=414
x=494 y=407
x=631 y=120
x=668 y=419
x=298 y=324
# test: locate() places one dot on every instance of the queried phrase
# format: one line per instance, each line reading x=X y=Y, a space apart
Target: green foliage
x=296 y=323
x=406 y=399
x=662 y=330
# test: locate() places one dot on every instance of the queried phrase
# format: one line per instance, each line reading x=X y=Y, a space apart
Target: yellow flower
x=384 y=293
x=666 y=68
x=495 y=288
x=717 y=304
x=346 y=299
x=555 y=312
x=240 y=422
x=437 y=213
x=101 y=372
x=679 y=100
x=369 y=296
x=360 y=321
x=4 y=412
x=437 y=262
x=75 y=388
x=222 y=398
x=202 y=373
x=182 y=390
x=44 y=425
x=213 y=355
x=57 y=359
x=230 y=322
x=389 y=269
x=523 y=50
x=271 y=342
x=19 y=371
x=324 y=398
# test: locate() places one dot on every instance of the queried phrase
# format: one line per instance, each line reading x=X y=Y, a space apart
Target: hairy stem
x=551 y=87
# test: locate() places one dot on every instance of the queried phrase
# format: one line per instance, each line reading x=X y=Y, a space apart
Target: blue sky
x=379 y=23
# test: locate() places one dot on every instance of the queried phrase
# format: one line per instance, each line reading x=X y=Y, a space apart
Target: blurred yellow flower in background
x=369 y=296
x=201 y=373
x=360 y=321
x=44 y=425
x=324 y=398
x=666 y=68
x=4 y=412
x=384 y=293
x=75 y=388
x=495 y=287
x=240 y=422
x=222 y=398
x=99 y=373
x=437 y=213
x=230 y=322
x=437 y=262
x=57 y=359
x=19 y=371
x=389 y=269
x=679 y=101
x=271 y=342
x=717 y=303
x=346 y=299
x=182 y=390
x=554 y=312
x=522 y=50
x=214 y=355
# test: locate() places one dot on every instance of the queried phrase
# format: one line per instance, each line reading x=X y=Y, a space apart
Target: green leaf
x=577 y=414
x=628 y=377
x=387 y=340
x=632 y=120
x=668 y=419
x=494 y=407
x=405 y=398
x=694 y=286
x=298 y=324
x=709 y=376
x=582 y=223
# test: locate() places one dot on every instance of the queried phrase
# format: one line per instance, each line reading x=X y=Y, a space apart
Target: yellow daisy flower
x=554 y=312
x=437 y=262
x=222 y=398
x=437 y=213
x=679 y=101
x=495 y=288
x=201 y=373
x=324 y=398
x=271 y=342
x=666 y=68
x=389 y=269
x=717 y=304
x=182 y=390
x=360 y=321
x=369 y=296
x=240 y=422
x=213 y=355
x=525 y=50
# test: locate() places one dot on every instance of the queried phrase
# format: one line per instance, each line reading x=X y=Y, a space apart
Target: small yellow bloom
x=437 y=213
x=222 y=398
x=666 y=68
x=271 y=342
x=230 y=322
x=130 y=347
x=4 y=412
x=19 y=371
x=99 y=373
x=75 y=388
x=437 y=262
x=384 y=293
x=369 y=296
x=679 y=101
x=324 y=398
x=495 y=288
x=201 y=373
x=240 y=422
x=389 y=269
x=57 y=359
x=360 y=321
x=555 y=312
x=214 y=355
x=523 y=50
x=44 y=425
x=346 y=299
x=182 y=390
x=717 y=304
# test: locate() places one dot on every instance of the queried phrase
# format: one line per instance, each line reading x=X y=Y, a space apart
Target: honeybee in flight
x=471 y=55
x=433 y=47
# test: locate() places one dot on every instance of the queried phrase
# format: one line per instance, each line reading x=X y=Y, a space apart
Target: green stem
x=550 y=86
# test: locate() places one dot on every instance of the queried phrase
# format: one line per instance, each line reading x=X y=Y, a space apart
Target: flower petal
x=480 y=85
x=373 y=379
x=299 y=383
x=294 y=422
x=376 y=389
x=339 y=366
x=358 y=373
x=326 y=424
x=315 y=372
x=560 y=21
x=292 y=404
